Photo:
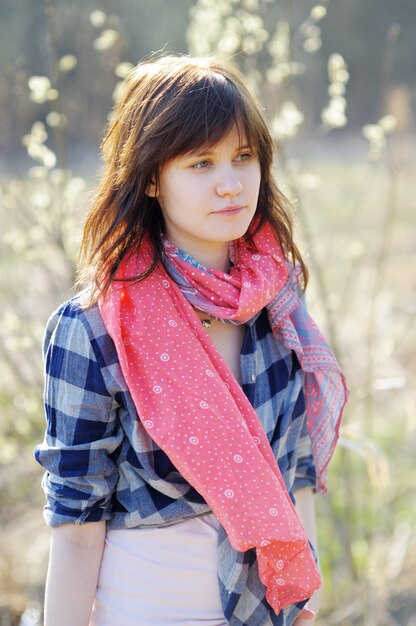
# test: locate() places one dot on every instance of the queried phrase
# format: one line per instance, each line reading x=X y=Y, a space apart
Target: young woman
x=192 y=405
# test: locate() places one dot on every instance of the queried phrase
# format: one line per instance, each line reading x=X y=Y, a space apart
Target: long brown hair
x=170 y=106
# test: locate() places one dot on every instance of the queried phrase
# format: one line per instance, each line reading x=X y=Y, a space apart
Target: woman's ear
x=151 y=189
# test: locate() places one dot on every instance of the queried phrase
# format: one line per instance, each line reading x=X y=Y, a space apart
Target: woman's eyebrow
x=210 y=152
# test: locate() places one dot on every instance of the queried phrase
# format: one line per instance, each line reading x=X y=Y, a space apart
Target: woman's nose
x=229 y=184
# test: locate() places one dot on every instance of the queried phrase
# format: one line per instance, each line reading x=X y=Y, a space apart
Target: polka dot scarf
x=193 y=408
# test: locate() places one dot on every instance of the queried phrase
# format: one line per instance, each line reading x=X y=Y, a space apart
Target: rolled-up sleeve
x=82 y=433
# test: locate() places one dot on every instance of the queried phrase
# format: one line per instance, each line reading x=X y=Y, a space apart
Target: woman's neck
x=215 y=257
x=219 y=261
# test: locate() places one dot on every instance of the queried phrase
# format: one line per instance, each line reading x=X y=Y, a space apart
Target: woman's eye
x=244 y=156
x=201 y=165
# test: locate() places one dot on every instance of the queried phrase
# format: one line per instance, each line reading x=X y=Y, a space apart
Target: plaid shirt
x=102 y=465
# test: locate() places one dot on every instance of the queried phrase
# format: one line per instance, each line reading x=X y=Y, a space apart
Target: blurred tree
x=357 y=30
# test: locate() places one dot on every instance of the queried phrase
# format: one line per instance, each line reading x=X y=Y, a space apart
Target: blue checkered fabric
x=102 y=465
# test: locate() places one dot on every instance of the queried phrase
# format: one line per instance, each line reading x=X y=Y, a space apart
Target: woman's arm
x=305 y=506
x=74 y=564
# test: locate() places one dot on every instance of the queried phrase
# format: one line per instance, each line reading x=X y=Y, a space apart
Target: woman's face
x=209 y=197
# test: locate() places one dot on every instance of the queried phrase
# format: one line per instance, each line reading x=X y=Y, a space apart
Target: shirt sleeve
x=305 y=474
x=82 y=432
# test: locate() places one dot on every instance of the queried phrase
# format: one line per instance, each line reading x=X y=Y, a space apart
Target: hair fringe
x=170 y=105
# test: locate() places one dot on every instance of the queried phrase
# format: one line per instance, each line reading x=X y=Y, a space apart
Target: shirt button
x=253 y=378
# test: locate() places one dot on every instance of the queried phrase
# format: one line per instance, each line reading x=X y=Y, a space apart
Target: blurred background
x=337 y=82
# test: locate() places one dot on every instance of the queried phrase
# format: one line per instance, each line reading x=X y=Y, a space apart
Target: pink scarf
x=193 y=408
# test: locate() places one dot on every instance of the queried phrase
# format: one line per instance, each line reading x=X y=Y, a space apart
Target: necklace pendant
x=206 y=323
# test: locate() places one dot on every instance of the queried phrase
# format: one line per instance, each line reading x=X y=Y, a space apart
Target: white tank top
x=160 y=576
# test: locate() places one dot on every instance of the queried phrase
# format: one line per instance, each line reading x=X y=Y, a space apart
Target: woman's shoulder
x=76 y=325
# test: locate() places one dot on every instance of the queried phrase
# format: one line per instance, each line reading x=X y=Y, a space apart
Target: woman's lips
x=231 y=210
